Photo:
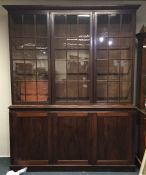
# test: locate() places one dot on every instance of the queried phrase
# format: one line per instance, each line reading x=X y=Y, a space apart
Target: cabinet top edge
x=71 y=7
x=71 y=106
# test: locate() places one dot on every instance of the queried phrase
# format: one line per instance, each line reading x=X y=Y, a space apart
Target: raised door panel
x=114 y=138
x=30 y=134
x=71 y=137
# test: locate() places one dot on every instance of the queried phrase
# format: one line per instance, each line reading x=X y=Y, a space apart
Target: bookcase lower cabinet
x=72 y=140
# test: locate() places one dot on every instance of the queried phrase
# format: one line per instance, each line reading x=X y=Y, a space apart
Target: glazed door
x=30 y=58
x=114 y=57
x=72 y=57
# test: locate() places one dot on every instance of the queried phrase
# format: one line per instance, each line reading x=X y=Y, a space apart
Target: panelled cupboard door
x=71 y=138
x=114 y=138
x=29 y=137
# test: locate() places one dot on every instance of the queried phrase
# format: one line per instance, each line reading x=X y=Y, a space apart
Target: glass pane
x=28 y=25
x=61 y=77
x=101 y=91
x=17 y=54
x=84 y=43
x=61 y=90
x=72 y=27
x=30 y=70
x=17 y=91
x=17 y=26
x=126 y=27
x=72 y=55
x=59 y=54
x=74 y=43
x=84 y=30
x=73 y=66
x=125 y=66
x=18 y=70
x=125 y=54
x=42 y=90
x=125 y=91
x=113 y=43
x=41 y=25
x=114 y=69
x=28 y=91
x=29 y=54
x=26 y=69
x=61 y=43
x=102 y=43
x=84 y=26
x=41 y=43
x=32 y=91
x=102 y=69
x=113 y=91
x=42 y=70
x=102 y=54
x=28 y=43
x=114 y=26
x=83 y=54
x=42 y=54
x=72 y=89
x=60 y=26
x=126 y=43
x=60 y=66
x=125 y=70
x=102 y=25
x=83 y=65
x=83 y=90
x=18 y=43
x=114 y=54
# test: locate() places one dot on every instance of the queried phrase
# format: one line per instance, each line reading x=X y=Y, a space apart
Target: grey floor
x=4 y=167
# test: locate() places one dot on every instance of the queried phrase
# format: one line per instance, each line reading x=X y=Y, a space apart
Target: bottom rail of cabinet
x=114 y=168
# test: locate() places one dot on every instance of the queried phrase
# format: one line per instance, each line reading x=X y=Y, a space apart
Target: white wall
x=5 y=95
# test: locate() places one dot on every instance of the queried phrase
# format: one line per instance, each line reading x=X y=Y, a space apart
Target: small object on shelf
x=143 y=29
x=24 y=68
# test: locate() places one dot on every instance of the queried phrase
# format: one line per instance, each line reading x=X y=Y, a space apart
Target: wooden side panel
x=114 y=138
x=31 y=137
x=141 y=136
x=71 y=137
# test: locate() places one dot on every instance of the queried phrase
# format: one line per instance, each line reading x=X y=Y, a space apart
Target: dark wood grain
x=30 y=138
x=74 y=134
x=68 y=7
x=114 y=141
